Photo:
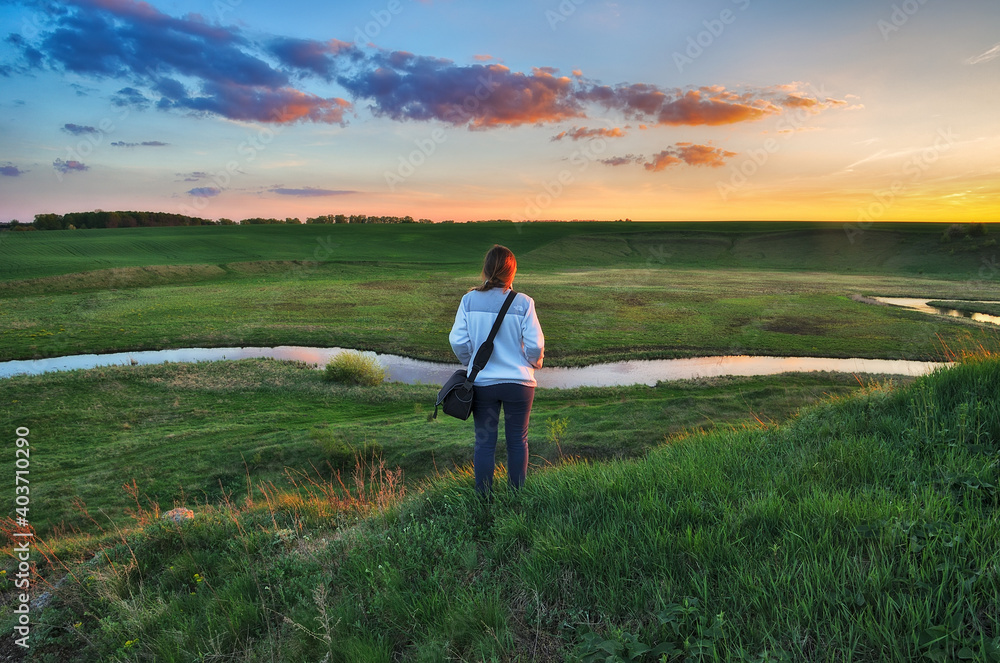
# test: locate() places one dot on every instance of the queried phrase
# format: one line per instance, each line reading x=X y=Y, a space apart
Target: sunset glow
x=573 y=109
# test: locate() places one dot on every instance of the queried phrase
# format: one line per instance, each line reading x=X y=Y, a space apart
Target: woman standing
x=508 y=380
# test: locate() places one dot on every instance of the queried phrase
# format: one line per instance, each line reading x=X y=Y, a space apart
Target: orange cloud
x=661 y=161
x=298 y=105
x=690 y=153
x=694 y=108
x=583 y=132
x=710 y=105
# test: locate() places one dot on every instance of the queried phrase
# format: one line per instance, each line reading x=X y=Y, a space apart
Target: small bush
x=339 y=451
x=355 y=368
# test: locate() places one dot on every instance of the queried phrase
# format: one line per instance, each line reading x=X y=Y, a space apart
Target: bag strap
x=486 y=349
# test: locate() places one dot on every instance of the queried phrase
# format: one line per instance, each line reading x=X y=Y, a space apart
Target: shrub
x=341 y=453
x=355 y=368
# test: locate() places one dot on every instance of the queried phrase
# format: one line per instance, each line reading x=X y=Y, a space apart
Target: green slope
x=863 y=530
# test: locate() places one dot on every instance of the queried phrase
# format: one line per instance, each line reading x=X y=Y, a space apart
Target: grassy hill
x=196 y=432
x=863 y=529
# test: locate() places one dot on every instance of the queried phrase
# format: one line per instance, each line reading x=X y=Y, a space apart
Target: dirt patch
x=264 y=266
x=796 y=326
x=868 y=300
x=632 y=299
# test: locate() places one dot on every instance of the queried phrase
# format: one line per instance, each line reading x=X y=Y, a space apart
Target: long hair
x=499 y=267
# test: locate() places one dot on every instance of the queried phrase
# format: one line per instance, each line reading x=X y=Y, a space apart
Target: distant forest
x=102 y=219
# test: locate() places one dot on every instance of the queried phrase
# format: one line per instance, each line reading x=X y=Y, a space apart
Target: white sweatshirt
x=519 y=344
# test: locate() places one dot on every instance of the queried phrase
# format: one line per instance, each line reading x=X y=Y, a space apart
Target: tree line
x=102 y=219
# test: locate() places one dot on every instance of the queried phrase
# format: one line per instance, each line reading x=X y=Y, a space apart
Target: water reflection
x=923 y=306
x=413 y=371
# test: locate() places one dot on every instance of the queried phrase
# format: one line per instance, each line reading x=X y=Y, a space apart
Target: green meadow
x=603 y=291
x=812 y=516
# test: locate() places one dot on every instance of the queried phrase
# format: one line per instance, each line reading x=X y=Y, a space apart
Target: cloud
x=583 y=132
x=187 y=64
x=661 y=161
x=991 y=54
x=196 y=176
x=308 y=56
x=403 y=86
x=145 y=143
x=130 y=97
x=258 y=104
x=814 y=104
x=132 y=40
x=69 y=166
x=11 y=170
x=30 y=56
x=712 y=105
x=623 y=161
x=204 y=192
x=884 y=154
x=704 y=106
x=691 y=154
x=799 y=130
x=79 y=130
x=309 y=192
x=82 y=90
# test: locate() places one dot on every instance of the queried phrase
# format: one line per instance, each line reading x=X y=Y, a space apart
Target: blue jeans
x=516 y=401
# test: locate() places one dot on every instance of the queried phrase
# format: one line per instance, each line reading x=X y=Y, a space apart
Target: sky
x=856 y=111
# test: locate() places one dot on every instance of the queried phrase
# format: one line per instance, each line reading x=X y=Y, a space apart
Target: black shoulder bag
x=455 y=397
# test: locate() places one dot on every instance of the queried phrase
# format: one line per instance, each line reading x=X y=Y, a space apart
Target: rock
x=41 y=601
x=178 y=515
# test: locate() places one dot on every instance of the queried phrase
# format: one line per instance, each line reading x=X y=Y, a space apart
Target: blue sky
x=727 y=109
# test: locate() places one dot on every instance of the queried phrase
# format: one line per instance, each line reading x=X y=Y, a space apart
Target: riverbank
x=414 y=371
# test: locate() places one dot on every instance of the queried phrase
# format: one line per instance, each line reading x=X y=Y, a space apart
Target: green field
x=603 y=291
x=797 y=517
x=911 y=250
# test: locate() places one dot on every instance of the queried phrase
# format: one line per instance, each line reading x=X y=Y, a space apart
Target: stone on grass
x=178 y=515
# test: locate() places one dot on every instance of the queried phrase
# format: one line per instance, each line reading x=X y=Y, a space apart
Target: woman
x=508 y=380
